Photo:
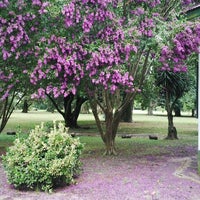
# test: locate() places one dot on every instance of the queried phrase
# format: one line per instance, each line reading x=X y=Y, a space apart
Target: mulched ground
x=165 y=177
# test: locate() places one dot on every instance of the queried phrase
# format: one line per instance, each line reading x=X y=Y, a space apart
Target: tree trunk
x=4 y=111
x=150 y=108
x=194 y=114
x=150 y=111
x=110 y=133
x=111 y=126
x=25 y=106
x=71 y=115
x=127 y=113
x=172 y=132
x=7 y=108
x=177 y=109
x=110 y=146
x=177 y=112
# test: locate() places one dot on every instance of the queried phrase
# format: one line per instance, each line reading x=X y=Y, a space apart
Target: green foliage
x=44 y=160
x=189 y=99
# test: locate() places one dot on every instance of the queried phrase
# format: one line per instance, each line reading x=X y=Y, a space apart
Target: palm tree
x=172 y=86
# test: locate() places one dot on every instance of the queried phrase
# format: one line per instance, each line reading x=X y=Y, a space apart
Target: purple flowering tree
x=174 y=82
x=19 y=23
x=110 y=47
x=59 y=75
x=95 y=54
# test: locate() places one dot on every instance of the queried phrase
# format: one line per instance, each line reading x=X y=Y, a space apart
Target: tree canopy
x=107 y=46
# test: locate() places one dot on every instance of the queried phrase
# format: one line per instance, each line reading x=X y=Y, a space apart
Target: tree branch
x=55 y=104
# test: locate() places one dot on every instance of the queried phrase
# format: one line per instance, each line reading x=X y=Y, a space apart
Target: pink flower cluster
x=15 y=29
x=113 y=80
x=13 y=34
x=111 y=34
x=99 y=46
x=184 y=44
x=71 y=17
x=102 y=67
x=75 y=15
x=152 y=3
x=186 y=2
x=4 y=78
x=4 y=3
x=146 y=27
x=103 y=64
x=63 y=62
x=42 y=6
x=138 y=11
x=18 y=26
x=102 y=3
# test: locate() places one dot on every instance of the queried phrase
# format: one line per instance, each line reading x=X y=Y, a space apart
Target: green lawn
x=142 y=126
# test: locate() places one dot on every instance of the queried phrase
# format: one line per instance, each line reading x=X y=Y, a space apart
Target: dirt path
x=185 y=171
x=122 y=178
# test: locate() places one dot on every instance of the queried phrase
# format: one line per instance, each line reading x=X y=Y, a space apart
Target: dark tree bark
x=70 y=113
x=177 y=108
x=177 y=111
x=25 y=106
x=109 y=138
x=127 y=113
x=194 y=114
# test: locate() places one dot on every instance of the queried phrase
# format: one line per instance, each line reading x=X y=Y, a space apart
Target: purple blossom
x=138 y=11
x=186 y=2
x=87 y=24
x=68 y=12
x=165 y=51
x=43 y=8
x=146 y=27
x=25 y=71
x=102 y=50
x=62 y=59
x=37 y=2
x=184 y=44
x=4 y=3
x=6 y=54
x=5 y=95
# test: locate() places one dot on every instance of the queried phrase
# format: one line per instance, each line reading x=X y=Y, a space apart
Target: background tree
x=178 y=107
x=173 y=85
x=189 y=100
x=149 y=94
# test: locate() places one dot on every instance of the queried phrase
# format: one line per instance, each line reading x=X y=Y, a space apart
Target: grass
x=139 y=144
x=26 y=121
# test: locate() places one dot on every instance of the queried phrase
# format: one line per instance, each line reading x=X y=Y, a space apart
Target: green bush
x=44 y=160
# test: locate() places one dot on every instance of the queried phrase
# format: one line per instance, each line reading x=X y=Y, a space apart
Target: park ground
x=143 y=170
